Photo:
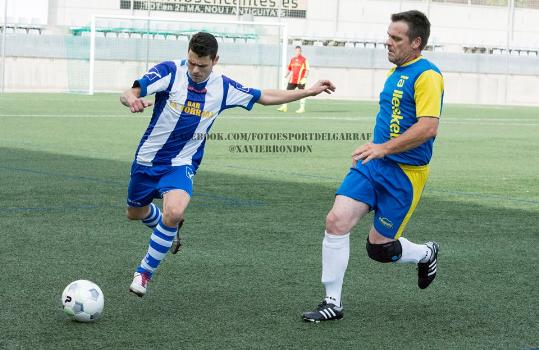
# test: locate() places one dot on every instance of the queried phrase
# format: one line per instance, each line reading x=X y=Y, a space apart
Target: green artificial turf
x=252 y=257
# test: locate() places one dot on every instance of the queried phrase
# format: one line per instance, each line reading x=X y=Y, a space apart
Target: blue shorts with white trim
x=149 y=182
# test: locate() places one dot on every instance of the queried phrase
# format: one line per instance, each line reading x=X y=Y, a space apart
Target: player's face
x=298 y=52
x=200 y=67
x=400 y=48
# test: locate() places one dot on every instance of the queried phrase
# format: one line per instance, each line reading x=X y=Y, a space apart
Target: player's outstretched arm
x=277 y=97
x=131 y=98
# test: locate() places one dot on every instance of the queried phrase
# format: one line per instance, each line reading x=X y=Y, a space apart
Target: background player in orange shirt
x=299 y=67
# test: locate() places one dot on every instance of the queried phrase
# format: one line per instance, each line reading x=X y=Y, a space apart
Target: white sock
x=413 y=253
x=302 y=103
x=335 y=253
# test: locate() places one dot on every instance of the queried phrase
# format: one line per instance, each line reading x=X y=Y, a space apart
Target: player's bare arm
x=131 y=98
x=275 y=97
x=423 y=130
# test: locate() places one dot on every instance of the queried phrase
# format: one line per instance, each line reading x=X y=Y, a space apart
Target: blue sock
x=160 y=243
x=153 y=217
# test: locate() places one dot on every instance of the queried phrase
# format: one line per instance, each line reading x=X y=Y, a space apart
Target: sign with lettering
x=262 y=8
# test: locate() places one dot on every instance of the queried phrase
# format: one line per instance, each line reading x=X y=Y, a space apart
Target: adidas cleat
x=426 y=272
x=324 y=312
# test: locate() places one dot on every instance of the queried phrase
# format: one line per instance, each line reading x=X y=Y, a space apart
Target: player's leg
x=401 y=250
x=176 y=242
x=302 y=101
x=284 y=106
x=176 y=188
x=149 y=215
x=384 y=249
x=349 y=207
x=140 y=194
x=174 y=204
x=344 y=215
x=396 y=203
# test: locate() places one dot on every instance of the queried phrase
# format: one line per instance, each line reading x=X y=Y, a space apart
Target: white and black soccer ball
x=83 y=301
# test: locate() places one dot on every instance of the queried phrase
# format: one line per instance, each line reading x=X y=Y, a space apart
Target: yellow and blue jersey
x=411 y=91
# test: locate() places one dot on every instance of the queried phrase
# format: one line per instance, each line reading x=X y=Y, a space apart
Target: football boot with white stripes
x=324 y=312
x=426 y=272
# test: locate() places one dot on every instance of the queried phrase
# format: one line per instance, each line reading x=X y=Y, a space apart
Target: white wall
x=46 y=75
x=361 y=19
x=25 y=11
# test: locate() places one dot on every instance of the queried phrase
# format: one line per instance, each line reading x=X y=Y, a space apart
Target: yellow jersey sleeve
x=429 y=88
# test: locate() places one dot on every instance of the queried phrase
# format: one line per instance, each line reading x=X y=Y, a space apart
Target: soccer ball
x=83 y=301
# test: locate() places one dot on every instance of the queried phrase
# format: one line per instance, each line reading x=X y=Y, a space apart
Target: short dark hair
x=204 y=44
x=418 y=25
x=298 y=47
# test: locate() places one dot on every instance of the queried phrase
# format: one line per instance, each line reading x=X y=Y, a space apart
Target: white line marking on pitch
x=453 y=120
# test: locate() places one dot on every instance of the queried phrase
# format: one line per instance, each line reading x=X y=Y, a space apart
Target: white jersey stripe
x=160 y=85
x=164 y=126
x=182 y=107
x=186 y=154
x=212 y=103
x=236 y=97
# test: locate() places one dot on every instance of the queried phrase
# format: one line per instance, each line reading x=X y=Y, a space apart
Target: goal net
x=123 y=48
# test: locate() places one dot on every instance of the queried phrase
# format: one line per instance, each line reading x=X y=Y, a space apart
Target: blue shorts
x=391 y=189
x=149 y=182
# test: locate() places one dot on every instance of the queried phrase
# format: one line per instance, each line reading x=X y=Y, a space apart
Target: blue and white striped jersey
x=184 y=112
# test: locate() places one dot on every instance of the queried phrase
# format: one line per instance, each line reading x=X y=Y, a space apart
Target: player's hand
x=322 y=86
x=367 y=152
x=137 y=105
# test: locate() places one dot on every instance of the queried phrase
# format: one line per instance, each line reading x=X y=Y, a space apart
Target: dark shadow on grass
x=247 y=270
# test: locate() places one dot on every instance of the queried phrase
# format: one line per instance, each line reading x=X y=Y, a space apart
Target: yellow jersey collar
x=412 y=61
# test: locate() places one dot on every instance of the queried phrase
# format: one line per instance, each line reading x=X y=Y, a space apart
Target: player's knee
x=337 y=223
x=387 y=252
x=172 y=216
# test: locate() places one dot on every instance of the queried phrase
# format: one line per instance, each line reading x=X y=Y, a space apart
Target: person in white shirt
x=188 y=98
